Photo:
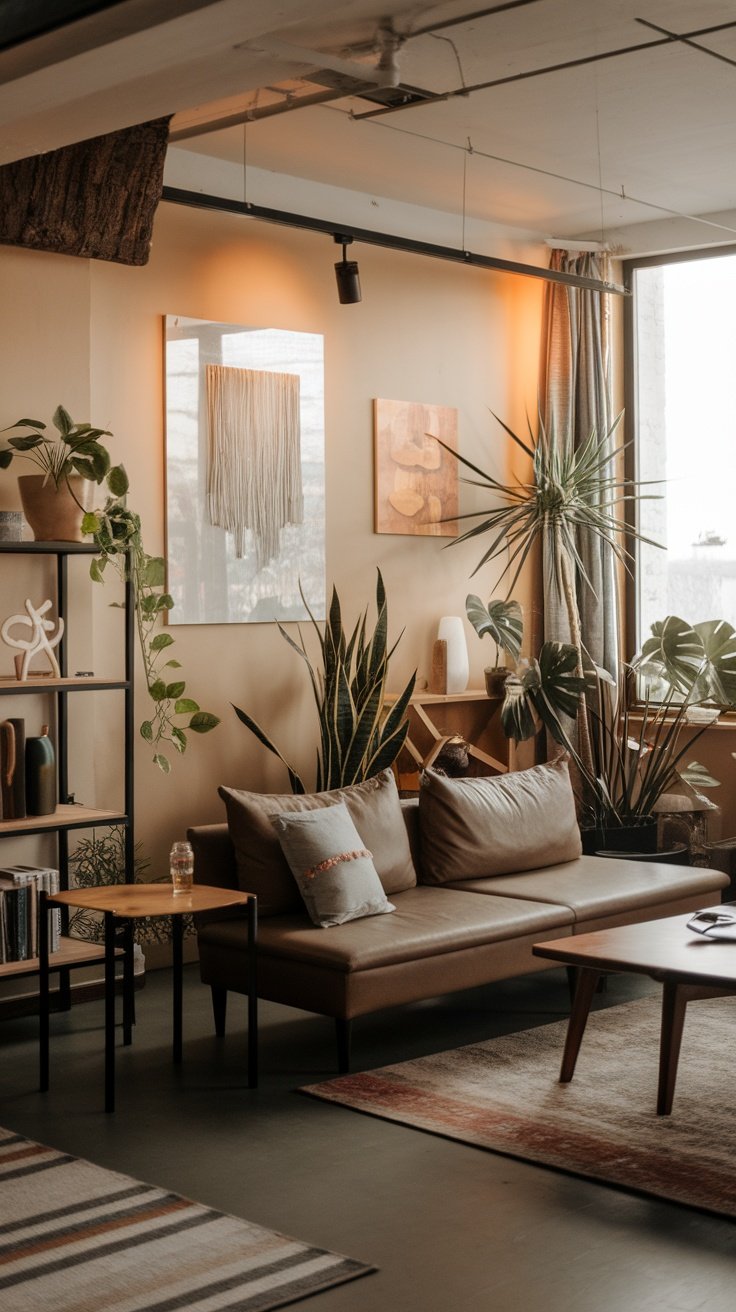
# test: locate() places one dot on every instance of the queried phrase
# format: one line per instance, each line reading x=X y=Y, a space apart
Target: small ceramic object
x=40 y=775
x=39 y=640
x=452 y=630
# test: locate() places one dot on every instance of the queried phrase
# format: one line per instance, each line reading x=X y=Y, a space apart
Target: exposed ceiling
x=581 y=150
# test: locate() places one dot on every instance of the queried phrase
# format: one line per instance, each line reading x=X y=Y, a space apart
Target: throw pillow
x=333 y=870
x=262 y=867
x=476 y=828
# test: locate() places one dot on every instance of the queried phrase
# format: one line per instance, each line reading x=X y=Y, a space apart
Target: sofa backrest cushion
x=499 y=825
x=262 y=867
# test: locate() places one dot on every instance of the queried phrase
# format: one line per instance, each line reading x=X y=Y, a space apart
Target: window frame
x=630 y=378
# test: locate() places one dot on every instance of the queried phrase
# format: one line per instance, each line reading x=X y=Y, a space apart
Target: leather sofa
x=440 y=938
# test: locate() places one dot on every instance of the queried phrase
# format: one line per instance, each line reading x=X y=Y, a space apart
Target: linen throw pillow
x=475 y=828
x=262 y=867
x=333 y=870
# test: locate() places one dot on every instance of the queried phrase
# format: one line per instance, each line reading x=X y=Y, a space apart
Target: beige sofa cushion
x=596 y=887
x=262 y=867
x=427 y=922
x=334 y=873
x=475 y=828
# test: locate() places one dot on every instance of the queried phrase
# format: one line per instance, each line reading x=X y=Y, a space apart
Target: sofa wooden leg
x=343 y=1033
x=219 y=1008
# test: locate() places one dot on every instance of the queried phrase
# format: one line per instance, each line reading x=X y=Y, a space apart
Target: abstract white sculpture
x=39 y=640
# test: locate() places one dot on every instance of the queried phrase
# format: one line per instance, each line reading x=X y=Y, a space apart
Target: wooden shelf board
x=443 y=698
x=64 y=817
x=72 y=952
x=42 y=683
x=49 y=548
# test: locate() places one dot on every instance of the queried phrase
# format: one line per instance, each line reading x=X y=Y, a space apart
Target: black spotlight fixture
x=347 y=274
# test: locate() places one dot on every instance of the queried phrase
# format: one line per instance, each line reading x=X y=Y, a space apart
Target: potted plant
x=688 y=673
x=569 y=491
x=502 y=621
x=70 y=462
x=358 y=736
x=75 y=460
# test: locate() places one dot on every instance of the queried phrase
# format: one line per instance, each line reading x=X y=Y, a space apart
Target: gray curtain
x=576 y=399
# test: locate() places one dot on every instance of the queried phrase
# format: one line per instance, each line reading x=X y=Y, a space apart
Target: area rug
x=504 y=1095
x=77 y=1238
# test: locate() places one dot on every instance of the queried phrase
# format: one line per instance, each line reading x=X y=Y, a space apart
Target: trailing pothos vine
x=76 y=449
x=116 y=531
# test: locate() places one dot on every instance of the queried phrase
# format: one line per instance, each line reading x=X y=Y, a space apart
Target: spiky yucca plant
x=358 y=738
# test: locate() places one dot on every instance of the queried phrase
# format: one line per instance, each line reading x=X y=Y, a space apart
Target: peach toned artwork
x=416 y=481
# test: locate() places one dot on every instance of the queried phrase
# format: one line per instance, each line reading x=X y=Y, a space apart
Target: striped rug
x=78 y=1238
x=504 y=1095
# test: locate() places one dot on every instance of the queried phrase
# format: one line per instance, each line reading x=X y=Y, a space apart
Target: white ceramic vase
x=452 y=630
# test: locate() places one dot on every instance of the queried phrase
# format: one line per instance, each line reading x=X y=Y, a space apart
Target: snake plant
x=359 y=736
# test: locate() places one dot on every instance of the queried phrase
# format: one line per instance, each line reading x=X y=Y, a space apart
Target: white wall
x=89 y=334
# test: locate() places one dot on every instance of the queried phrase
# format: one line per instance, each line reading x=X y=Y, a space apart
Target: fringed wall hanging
x=245 y=473
x=254 y=478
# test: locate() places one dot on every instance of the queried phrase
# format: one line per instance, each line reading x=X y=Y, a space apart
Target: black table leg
x=128 y=983
x=43 y=1001
x=177 y=936
x=252 y=993
x=109 y=1011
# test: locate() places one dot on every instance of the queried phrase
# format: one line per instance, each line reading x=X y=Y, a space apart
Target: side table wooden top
x=136 y=900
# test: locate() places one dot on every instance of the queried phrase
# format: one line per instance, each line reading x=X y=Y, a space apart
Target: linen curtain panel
x=576 y=399
x=254 y=476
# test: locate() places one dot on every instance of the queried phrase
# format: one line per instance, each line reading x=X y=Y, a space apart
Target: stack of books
x=19 y=889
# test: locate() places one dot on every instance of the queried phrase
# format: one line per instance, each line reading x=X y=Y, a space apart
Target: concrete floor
x=451 y=1228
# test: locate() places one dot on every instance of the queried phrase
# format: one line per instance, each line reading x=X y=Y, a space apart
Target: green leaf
x=153 y=573
x=117 y=481
x=203 y=722
x=186 y=706
x=95 y=570
x=147 y=731
x=5 y=459
x=147 y=604
x=157 y=690
x=26 y=443
x=175 y=689
x=501 y=620
x=173 y=664
x=165 y=602
x=90 y=522
x=161 y=640
x=179 y=738
x=63 y=421
x=27 y=423
x=162 y=763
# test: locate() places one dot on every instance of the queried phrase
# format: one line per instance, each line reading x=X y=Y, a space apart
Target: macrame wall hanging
x=254 y=476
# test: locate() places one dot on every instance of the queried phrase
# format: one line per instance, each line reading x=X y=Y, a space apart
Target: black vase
x=615 y=839
x=40 y=775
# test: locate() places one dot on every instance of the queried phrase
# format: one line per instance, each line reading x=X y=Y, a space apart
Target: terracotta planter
x=52 y=512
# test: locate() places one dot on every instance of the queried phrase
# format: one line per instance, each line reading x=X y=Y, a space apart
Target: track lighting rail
x=202 y=200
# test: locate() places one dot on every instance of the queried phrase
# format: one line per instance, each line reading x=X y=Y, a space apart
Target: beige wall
x=90 y=335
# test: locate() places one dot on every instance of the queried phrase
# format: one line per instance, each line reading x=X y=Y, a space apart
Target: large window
x=684 y=407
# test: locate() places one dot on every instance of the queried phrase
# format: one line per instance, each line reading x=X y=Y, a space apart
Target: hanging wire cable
x=620 y=194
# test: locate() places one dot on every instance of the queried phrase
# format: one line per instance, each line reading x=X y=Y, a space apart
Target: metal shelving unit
x=68 y=815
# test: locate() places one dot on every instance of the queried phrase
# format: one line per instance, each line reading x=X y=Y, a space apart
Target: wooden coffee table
x=122 y=904
x=688 y=966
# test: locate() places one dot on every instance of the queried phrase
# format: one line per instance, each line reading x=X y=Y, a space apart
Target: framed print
x=416 y=481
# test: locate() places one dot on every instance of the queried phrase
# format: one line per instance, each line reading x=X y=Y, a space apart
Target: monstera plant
x=641 y=748
x=503 y=623
x=358 y=735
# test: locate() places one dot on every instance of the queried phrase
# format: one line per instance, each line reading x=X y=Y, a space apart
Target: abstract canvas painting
x=416 y=480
